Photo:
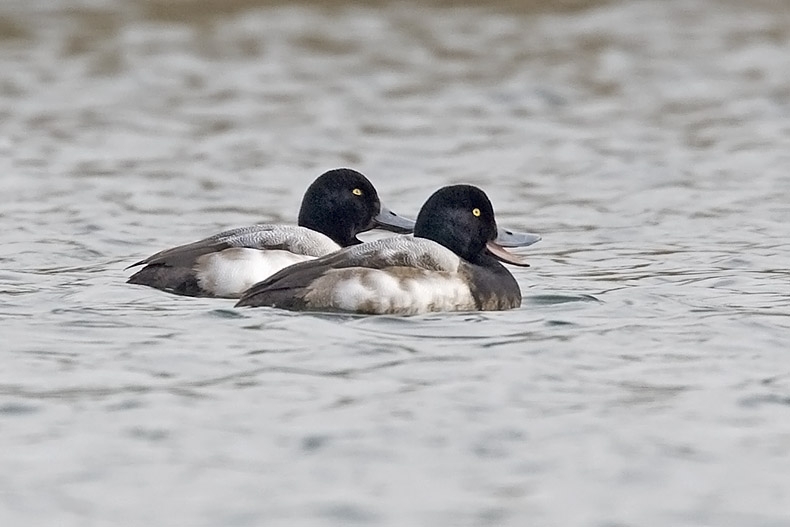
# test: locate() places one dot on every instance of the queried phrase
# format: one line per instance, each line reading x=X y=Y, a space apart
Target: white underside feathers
x=398 y=290
x=230 y=272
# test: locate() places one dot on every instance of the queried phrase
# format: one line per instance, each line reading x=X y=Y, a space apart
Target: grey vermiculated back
x=404 y=250
x=292 y=238
x=286 y=237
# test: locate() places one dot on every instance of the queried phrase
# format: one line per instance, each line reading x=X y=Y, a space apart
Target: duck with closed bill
x=451 y=264
x=340 y=204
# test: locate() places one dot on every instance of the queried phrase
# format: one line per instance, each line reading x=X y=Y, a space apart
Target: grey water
x=645 y=381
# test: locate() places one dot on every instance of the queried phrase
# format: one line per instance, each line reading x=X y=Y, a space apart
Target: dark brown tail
x=176 y=280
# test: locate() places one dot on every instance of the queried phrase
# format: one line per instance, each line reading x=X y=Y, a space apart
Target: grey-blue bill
x=388 y=220
x=509 y=238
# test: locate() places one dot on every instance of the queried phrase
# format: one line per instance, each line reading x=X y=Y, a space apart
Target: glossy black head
x=461 y=218
x=341 y=203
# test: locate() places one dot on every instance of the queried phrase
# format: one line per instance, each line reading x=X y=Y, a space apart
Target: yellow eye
x=356 y=192
x=476 y=211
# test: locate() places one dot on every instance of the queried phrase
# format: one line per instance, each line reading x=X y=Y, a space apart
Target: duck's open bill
x=501 y=254
x=390 y=221
x=508 y=238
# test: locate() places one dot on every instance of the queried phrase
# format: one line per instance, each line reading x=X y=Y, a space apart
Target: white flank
x=377 y=291
x=230 y=272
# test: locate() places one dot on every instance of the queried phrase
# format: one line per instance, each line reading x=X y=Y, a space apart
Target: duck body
x=226 y=264
x=399 y=275
x=447 y=266
x=338 y=205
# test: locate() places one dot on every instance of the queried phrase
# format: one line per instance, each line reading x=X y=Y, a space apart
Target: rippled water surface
x=645 y=381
